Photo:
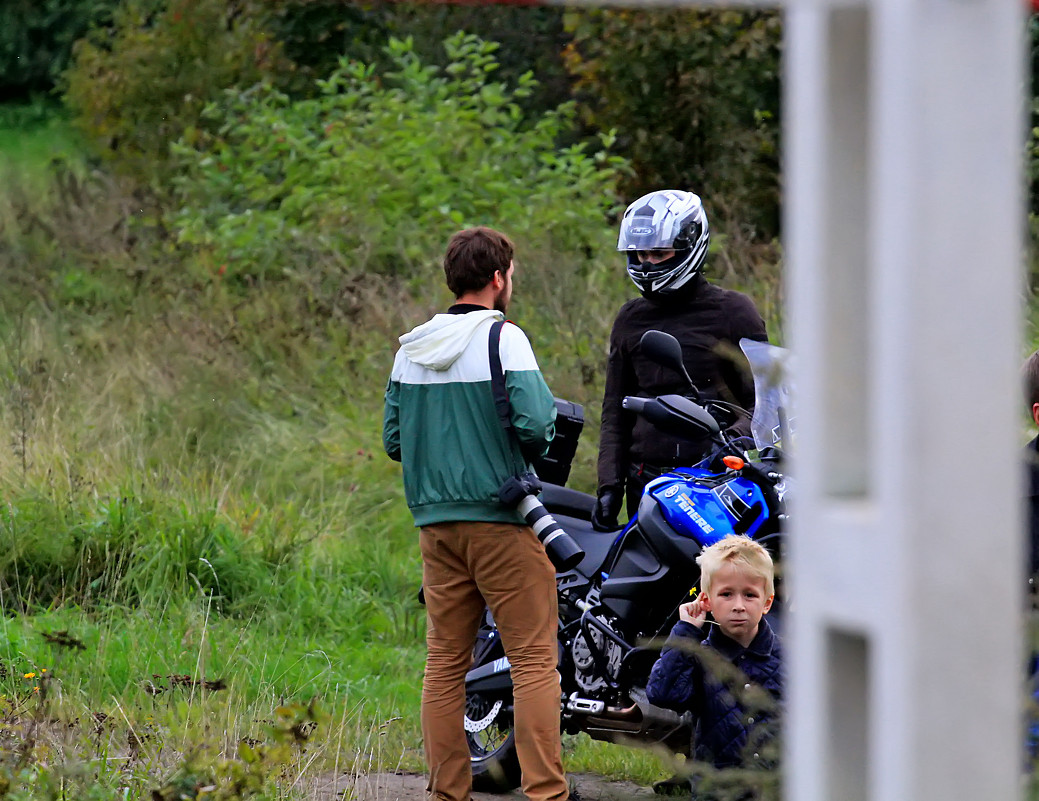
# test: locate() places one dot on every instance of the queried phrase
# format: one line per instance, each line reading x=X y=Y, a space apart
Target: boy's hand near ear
x=695 y=611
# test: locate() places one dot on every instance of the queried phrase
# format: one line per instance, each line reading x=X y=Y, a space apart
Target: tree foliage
x=532 y=38
x=36 y=39
x=695 y=97
x=139 y=82
x=315 y=34
x=138 y=86
x=375 y=172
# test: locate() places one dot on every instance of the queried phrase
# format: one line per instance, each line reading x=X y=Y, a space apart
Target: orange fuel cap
x=733 y=462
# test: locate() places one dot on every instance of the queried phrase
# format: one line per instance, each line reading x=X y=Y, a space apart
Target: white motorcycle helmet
x=669 y=219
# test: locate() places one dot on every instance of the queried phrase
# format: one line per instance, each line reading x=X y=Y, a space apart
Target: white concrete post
x=904 y=228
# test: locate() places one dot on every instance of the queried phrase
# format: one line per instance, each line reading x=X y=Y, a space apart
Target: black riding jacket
x=709 y=322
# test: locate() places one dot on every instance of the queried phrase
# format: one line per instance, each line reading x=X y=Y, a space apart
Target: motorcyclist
x=665 y=236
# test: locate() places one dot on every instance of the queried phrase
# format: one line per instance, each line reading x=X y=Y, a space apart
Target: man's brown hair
x=1030 y=378
x=472 y=258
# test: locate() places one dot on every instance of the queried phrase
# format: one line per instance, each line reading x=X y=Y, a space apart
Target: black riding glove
x=607 y=507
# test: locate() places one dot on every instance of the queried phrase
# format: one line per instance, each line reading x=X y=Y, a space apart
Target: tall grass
x=178 y=501
x=198 y=526
x=33 y=134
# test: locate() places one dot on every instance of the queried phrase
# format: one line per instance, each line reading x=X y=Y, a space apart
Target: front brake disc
x=473 y=726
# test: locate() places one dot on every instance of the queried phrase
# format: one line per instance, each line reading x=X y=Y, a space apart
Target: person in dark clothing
x=1030 y=376
x=731 y=729
x=1030 y=373
x=665 y=235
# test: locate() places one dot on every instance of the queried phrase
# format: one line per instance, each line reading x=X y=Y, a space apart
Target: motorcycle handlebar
x=675 y=414
x=648 y=408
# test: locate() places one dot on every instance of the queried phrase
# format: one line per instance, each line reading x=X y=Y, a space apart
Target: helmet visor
x=641 y=233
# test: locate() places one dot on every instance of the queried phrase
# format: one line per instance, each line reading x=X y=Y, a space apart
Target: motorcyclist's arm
x=615 y=428
x=391 y=421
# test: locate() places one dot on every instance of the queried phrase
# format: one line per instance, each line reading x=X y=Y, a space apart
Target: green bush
x=143 y=83
x=376 y=172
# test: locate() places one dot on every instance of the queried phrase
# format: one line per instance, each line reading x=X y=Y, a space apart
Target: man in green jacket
x=441 y=423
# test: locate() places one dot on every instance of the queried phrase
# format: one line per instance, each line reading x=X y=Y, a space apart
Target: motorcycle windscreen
x=773 y=421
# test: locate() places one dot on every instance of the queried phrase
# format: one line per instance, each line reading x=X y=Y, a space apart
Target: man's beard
x=501 y=302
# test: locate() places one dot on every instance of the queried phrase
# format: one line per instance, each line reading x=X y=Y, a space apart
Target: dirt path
x=411 y=787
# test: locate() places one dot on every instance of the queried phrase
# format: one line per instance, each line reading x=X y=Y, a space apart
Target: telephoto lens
x=521 y=493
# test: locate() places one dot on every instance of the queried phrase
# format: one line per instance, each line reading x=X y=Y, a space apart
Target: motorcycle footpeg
x=585 y=706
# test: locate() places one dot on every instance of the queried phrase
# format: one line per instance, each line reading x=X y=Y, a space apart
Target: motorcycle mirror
x=664 y=349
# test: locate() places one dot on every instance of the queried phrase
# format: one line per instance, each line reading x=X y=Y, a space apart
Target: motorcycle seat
x=565 y=501
x=596 y=544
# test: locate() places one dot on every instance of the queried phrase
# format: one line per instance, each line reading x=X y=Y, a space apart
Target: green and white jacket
x=440 y=420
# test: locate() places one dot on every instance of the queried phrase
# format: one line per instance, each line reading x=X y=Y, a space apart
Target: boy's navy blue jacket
x=680 y=681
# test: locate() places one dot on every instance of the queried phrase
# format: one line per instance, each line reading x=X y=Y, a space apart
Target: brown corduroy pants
x=465 y=567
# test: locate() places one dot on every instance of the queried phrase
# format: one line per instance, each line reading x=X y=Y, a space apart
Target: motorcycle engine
x=589 y=678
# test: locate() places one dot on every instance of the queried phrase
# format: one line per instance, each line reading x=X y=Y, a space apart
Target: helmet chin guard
x=668 y=219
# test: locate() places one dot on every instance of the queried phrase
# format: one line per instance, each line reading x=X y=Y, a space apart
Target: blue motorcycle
x=622 y=598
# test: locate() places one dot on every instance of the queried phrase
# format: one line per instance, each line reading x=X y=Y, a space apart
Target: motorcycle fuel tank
x=699 y=505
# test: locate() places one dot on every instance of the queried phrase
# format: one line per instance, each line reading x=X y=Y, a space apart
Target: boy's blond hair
x=741 y=552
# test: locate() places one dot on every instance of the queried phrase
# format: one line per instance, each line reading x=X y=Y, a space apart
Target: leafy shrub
x=375 y=173
x=143 y=83
x=253 y=771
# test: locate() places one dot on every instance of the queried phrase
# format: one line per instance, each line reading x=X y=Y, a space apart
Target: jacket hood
x=438 y=343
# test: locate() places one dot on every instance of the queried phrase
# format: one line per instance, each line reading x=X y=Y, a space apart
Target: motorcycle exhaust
x=639 y=723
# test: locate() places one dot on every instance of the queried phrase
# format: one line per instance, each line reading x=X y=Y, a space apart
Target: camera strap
x=498 y=388
x=520 y=492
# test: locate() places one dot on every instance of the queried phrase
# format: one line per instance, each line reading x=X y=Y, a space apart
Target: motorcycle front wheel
x=491 y=736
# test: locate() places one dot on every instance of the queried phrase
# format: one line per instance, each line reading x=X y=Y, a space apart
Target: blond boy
x=737 y=580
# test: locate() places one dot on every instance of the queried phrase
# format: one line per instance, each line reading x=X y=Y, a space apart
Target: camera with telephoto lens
x=521 y=493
